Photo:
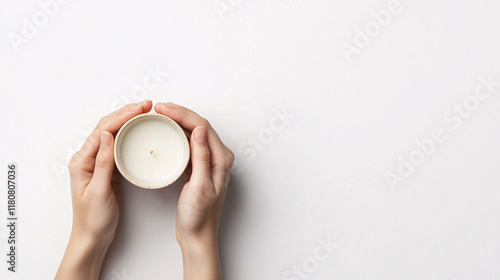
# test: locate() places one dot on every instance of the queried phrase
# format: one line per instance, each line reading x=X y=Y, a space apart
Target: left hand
x=96 y=195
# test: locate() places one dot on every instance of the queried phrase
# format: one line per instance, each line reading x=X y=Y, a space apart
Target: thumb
x=200 y=157
x=104 y=162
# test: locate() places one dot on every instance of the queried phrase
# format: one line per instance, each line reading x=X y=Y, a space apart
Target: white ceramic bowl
x=118 y=151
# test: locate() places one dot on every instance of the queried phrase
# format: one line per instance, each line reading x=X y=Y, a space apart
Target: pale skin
x=96 y=196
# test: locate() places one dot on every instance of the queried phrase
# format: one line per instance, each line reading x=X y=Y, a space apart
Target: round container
x=151 y=151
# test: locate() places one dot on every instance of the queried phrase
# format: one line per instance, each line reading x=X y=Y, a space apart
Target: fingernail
x=199 y=134
x=105 y=139
x=139 y=105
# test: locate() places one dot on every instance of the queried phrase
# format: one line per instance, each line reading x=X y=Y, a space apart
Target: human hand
x=201 y=199
x=96 y=195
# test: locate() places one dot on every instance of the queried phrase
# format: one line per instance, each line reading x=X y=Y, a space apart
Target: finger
x=190 y=120
x=83 y=160
x=112 y=123
x=200 y=160
x=221 y=157
x=104 y=163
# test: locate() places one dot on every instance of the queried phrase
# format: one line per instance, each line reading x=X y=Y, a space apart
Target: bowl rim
x=117 y=152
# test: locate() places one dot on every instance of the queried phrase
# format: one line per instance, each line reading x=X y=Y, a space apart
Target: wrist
x=83 y=257
x=90 y=239
x=193 y=240
x=200 y=255
x=198 y=245
x=89 y=243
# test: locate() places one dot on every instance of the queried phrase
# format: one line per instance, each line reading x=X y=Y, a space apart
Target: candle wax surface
x=152 y=151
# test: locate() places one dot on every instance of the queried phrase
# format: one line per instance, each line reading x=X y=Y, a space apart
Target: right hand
x=201 y=199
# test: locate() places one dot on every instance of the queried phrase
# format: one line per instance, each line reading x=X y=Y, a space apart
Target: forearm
x=83 y=259
x=200 y=258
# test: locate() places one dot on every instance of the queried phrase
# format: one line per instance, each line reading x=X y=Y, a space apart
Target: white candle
x=151 y=151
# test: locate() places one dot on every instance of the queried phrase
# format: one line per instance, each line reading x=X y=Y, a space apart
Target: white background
x=321 y=176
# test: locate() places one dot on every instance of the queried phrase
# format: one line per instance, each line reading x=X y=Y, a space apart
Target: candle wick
x=151 y=152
